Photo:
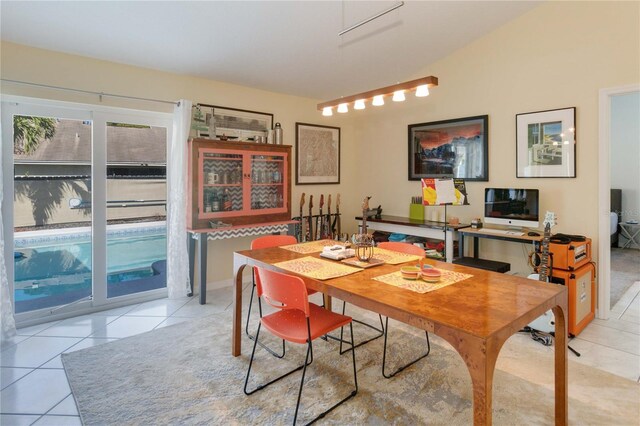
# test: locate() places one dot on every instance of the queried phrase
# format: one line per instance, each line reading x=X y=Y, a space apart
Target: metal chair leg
x=379 y=330
x=303 y=367
x=351 y=395
x=384 y=353
x=246 y=381
x=304 y=371
x=252 y=337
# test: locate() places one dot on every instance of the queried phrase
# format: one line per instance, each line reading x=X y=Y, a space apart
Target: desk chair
x=296 y=321
x=408 y=249
x=266 y=242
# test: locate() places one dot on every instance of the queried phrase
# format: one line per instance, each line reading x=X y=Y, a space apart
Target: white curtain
x=7 y=321
x=177 y=258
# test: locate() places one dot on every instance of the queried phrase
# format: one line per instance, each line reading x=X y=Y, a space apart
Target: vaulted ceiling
x=290 y=47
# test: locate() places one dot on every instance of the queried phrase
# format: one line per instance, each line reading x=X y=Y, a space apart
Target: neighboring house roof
x=125 y=145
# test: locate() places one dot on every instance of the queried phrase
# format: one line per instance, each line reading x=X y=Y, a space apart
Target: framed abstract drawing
x=317 y=154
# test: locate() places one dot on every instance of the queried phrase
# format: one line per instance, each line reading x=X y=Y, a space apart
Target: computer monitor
x=512 y=207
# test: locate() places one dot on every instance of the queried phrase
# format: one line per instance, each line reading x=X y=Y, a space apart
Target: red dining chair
x=296 y=321
x=259 y=243
x=408 y=249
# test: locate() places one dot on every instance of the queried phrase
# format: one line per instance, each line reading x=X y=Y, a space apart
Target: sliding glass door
x=136 y=207
x=84 y=207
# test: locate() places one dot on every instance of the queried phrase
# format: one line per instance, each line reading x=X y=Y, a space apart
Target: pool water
x=123 y=253
x=58 y=271
x=136 y=274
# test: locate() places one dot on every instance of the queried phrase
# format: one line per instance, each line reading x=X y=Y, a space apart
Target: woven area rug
x=184 y=374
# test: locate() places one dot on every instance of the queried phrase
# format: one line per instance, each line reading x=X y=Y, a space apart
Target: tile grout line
x=622 y=332
x=29 y=336
x=59 y=402
x=607 y=346
x=614 y=329
x=629 y=304
x=634 y=299
x=49 y=360
x=12 y=383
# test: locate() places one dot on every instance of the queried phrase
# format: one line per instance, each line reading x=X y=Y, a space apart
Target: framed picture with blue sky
x=546 y=143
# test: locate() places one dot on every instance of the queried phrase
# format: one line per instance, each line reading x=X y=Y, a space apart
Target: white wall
x=625 y=152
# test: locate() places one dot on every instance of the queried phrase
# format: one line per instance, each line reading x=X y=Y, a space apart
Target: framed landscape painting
x=546 y=143
x=317 y=154
x=455 y=148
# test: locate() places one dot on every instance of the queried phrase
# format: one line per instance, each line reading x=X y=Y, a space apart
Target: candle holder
x=364 y=241
x=364 y=246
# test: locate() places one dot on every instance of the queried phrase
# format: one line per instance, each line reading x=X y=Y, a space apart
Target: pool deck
x=21 y=238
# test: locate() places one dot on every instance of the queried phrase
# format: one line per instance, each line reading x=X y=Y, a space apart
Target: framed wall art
x=317 y=154
x=216 y=122
x=546 y=143
x=455 y=148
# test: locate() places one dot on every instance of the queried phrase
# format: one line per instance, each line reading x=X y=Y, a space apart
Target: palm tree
x=29 y=132
x=45 y=195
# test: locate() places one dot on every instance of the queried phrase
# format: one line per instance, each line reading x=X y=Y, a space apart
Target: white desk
x=491 y=265
x=418 y=228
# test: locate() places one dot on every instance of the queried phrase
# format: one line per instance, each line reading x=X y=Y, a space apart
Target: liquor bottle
x=237 y=175
x=226 y=200
x=215 y=202
x=207 y=200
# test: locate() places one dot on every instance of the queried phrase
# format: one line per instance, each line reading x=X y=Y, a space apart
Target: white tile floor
x=35 y=391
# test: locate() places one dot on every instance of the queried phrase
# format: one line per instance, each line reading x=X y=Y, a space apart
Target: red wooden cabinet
x=238 y=183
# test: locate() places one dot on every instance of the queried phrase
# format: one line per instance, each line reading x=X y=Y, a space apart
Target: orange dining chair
x=408 y=249
x=296 y=321
x=259 y=243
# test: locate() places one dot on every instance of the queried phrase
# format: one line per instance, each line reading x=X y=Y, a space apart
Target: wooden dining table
x=475 y=315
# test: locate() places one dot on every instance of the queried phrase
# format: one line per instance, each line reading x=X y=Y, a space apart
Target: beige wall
x=558 y=55
x=52 y=68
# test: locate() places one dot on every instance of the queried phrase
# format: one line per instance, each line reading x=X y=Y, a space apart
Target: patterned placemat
x=317 y=268
x=420 y=286
x=311 y=246
x=393 y=257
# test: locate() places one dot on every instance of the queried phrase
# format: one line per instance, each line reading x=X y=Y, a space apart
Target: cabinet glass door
x=268 y=182
x=222 y=189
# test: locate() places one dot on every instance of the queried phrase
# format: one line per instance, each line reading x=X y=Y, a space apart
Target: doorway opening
x=618 y=195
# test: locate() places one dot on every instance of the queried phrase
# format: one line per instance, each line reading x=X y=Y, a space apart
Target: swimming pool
x=54 y=268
